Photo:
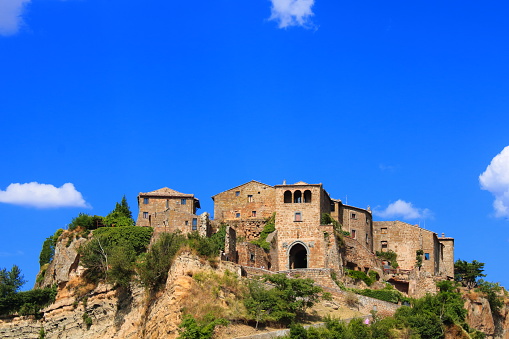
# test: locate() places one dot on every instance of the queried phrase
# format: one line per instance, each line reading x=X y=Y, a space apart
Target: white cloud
x=42 y=195
x=292 y=12
x=10 y=15
x=404 y=210
x=496 y=180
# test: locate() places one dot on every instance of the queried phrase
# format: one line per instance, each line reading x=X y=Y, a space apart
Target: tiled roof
x=166 y=192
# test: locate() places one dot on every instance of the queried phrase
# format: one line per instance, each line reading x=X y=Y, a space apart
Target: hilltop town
x=308 y=230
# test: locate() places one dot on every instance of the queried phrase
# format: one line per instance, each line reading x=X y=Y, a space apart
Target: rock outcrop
x=120 y=313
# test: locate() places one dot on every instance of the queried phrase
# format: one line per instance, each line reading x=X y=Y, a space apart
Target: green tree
x=10 y=281
x=287 y=300
x=48 y=248
x=468 y=273
x=120 y=216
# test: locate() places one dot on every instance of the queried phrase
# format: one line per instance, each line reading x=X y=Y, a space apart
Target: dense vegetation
x=23 y=303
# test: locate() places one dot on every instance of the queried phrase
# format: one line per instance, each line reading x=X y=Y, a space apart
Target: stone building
x=298 y=238
x=167 y=210
x=406 y=239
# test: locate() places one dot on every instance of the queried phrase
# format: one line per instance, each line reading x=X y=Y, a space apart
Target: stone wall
x=405 y=240
x=252 y=200
x=357 y=221
x=359 y=257
x=447 y=265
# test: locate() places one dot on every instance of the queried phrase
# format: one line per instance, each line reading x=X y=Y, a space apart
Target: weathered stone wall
x=252 y=200
x=357 y=256
x=298 y=223
x=405 y=240
x=157 y=205
x=254 y=256
x=447 y=264
x=357 y=221
x=247 y=229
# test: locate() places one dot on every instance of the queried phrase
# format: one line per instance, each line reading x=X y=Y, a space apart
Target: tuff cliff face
x=480 y=316
x=121 y=313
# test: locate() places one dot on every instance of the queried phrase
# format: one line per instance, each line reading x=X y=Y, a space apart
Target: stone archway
x=298 y=256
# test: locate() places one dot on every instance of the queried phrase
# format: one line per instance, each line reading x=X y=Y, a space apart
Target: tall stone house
x=303 y=237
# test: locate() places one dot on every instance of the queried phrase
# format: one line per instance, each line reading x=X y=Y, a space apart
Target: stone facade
x=167 y=210
x=300 y=241
x=406 y=239
x=252 y=200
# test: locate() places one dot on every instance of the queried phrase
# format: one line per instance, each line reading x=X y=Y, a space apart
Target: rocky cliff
x=83 y=310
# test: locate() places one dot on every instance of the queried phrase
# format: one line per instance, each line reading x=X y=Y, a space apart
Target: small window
x=237 y=193
x=237 y=215
x=249 y=198
x=354 y=216
x=332 y=207
x=187 y=222
x=354 y=234
x=251 y=256
x=167 y=203
x=298 y=216
x=383 y=230
x=367 y=239
x=195 y=224
x=426 y=256
x=253 y=214
x=145 y=201
x=384 y=245
x=145 y=215
x=183 y=201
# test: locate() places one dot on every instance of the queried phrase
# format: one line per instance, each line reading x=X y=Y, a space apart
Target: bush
x=48 y=248
x=86 y=221
x=286 y=301
x=208 y=247
x=111 y=253
x=388 y=294
x=192 y=329
x=28 y=302
x=359 y=275
x=270 y=226
x=154 y=268
x=390 y=256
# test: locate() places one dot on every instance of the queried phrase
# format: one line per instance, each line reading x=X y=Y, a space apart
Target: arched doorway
x=298 y=256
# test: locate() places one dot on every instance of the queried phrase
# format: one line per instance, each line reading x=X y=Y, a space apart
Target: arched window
x=288 y=197
x=307 y=196
x=297 y=197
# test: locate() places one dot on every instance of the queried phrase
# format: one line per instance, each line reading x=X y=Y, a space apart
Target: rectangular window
x=195 y=224
x=426 y=256
x=383 y=230
x=253 y=214
x=237 y=215
x=167 y=203
x=298 y=216
x=187 y=222
x=251 y=256
x=249 y=198
x=183 y=201
x=367 y=239
x=354 y=216
x=237 y=193
x=145 y=215
x=145 y=201
x=354 y=234
x=384 y=245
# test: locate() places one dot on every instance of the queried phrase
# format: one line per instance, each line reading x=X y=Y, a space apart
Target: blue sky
x=399 y=106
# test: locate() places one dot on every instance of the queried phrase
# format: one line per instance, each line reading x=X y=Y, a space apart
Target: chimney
x=284 y=181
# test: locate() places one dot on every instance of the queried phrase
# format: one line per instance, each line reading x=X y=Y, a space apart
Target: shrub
x=359 y=275
x=388 y=294
x=390 y=256
x=268 y=228
x=192 y=329
x=48 y=248
x=154 y=268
